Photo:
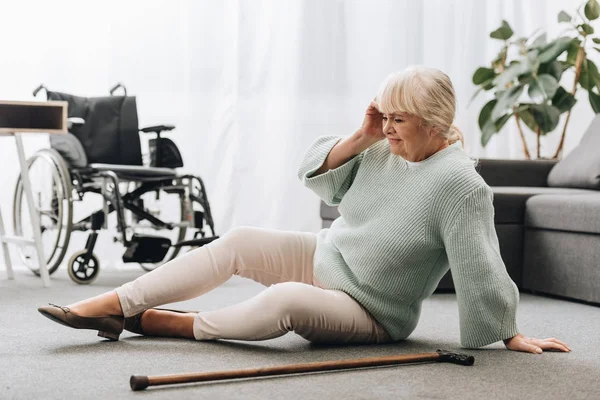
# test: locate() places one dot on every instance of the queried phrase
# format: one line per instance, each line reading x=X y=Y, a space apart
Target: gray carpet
x=40 y=359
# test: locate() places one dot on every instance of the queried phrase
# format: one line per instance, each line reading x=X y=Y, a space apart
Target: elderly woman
x=412 y=206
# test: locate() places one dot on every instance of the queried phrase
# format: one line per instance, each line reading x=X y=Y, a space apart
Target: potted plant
x=525 y=78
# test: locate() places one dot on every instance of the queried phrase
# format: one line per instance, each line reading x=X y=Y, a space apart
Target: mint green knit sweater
x=402 y=226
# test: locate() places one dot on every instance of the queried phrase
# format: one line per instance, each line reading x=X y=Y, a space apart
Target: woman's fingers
x=534 y=345
x=557 y=341
x=546 y=345
x=374 y=105
x=531 y=348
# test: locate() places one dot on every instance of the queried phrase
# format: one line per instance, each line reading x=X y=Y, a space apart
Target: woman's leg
x=267 y=256
x=282 y=259
x=318 y=315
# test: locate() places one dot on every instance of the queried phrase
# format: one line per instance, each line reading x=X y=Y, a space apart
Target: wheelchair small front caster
x=82 y=271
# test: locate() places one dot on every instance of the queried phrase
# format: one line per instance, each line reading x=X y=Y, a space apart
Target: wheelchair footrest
x=146 y=248
x=196 y=242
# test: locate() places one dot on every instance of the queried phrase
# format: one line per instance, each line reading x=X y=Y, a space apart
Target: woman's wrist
x=361 y=141
x=510 y=338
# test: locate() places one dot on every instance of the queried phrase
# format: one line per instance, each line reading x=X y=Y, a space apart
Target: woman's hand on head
x=533 y=345
x=372 y=126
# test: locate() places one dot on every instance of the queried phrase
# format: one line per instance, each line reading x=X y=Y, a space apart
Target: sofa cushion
x=509 y=201
x=581 y=167
x=565 y=213
x=562 y=264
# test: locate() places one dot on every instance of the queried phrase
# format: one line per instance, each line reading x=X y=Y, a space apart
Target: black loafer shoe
x=108 y=327
x=134 y=323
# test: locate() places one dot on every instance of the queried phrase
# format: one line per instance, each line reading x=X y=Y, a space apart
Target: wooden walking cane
x=141 y=382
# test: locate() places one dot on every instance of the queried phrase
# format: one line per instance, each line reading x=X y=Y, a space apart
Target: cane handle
x=455 y=358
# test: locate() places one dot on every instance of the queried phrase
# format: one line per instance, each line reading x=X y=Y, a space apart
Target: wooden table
x=16 y=119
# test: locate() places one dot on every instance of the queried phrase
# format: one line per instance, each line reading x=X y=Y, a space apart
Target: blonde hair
x=425 y=92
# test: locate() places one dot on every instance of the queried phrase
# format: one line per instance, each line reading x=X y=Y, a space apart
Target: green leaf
x=502 y=121
x=554 y=68
x=554 y=49
x=542 y=88
x=546 y=116
x=564 y=17
x=486 y=112
x=512 y=72
x=492 y=127
x=589 y=74
x=592 y=10
x=506 y=102
x=521 y=107
x=596 y=40
x=563 y=100
x=487 y=132
x=532 y=57
x=527 y=117
x=540 y=41
x=483 y=74
x=502 y=33
x=597 y=49
x=487 y=85
x=525 y=79
x=572 y=51
x=587 y=28
x=594 y=101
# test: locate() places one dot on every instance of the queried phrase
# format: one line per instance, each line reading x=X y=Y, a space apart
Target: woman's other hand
x=533 y=345
x=372 y=126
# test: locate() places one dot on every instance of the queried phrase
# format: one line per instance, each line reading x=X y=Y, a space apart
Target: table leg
x=9 y=270
x=35 y=222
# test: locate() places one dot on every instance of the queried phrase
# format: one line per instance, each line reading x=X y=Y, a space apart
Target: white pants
x=293 y=301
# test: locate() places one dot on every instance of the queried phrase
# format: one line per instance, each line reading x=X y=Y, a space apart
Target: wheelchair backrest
x=110 y=134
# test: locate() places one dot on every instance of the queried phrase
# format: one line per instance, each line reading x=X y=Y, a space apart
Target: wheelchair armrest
x=158 y=129
x=74 y=121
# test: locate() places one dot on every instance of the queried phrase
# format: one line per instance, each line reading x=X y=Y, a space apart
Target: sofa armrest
x=505 y=172
x=328 y=212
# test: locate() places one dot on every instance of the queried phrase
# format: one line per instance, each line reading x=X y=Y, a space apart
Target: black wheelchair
x=155 y=206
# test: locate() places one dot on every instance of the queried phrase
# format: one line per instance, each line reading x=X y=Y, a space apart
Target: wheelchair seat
x=133 y=172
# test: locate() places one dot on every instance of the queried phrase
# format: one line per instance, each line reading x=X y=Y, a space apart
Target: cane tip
x=138 y=382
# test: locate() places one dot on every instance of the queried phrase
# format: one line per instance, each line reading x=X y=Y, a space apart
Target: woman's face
x=408 y=138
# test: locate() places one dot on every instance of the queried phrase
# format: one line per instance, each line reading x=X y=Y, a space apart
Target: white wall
x=250 y=84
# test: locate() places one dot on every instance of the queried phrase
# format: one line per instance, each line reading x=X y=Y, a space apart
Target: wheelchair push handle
x=117 y=86
x=37 y=90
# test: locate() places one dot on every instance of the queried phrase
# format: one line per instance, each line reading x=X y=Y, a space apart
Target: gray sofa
x=547 y=217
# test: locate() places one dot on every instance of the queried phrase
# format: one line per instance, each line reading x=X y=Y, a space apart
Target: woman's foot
x=156 y=322
x=102 y=313
x=107 y=326
x=99 y=306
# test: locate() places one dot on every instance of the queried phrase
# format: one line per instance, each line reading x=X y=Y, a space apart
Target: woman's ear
x=432 y=131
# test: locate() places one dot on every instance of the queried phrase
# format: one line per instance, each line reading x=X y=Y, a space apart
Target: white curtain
x=250 y=84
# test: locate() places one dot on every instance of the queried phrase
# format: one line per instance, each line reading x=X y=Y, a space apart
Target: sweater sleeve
x=333 y=184
x=487 y=296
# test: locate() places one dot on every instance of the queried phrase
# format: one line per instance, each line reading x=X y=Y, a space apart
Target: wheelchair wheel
x=82 y=271
x=52 y=195
x=169 y=207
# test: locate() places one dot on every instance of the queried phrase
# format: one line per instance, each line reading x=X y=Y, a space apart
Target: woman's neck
x=435 y=147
